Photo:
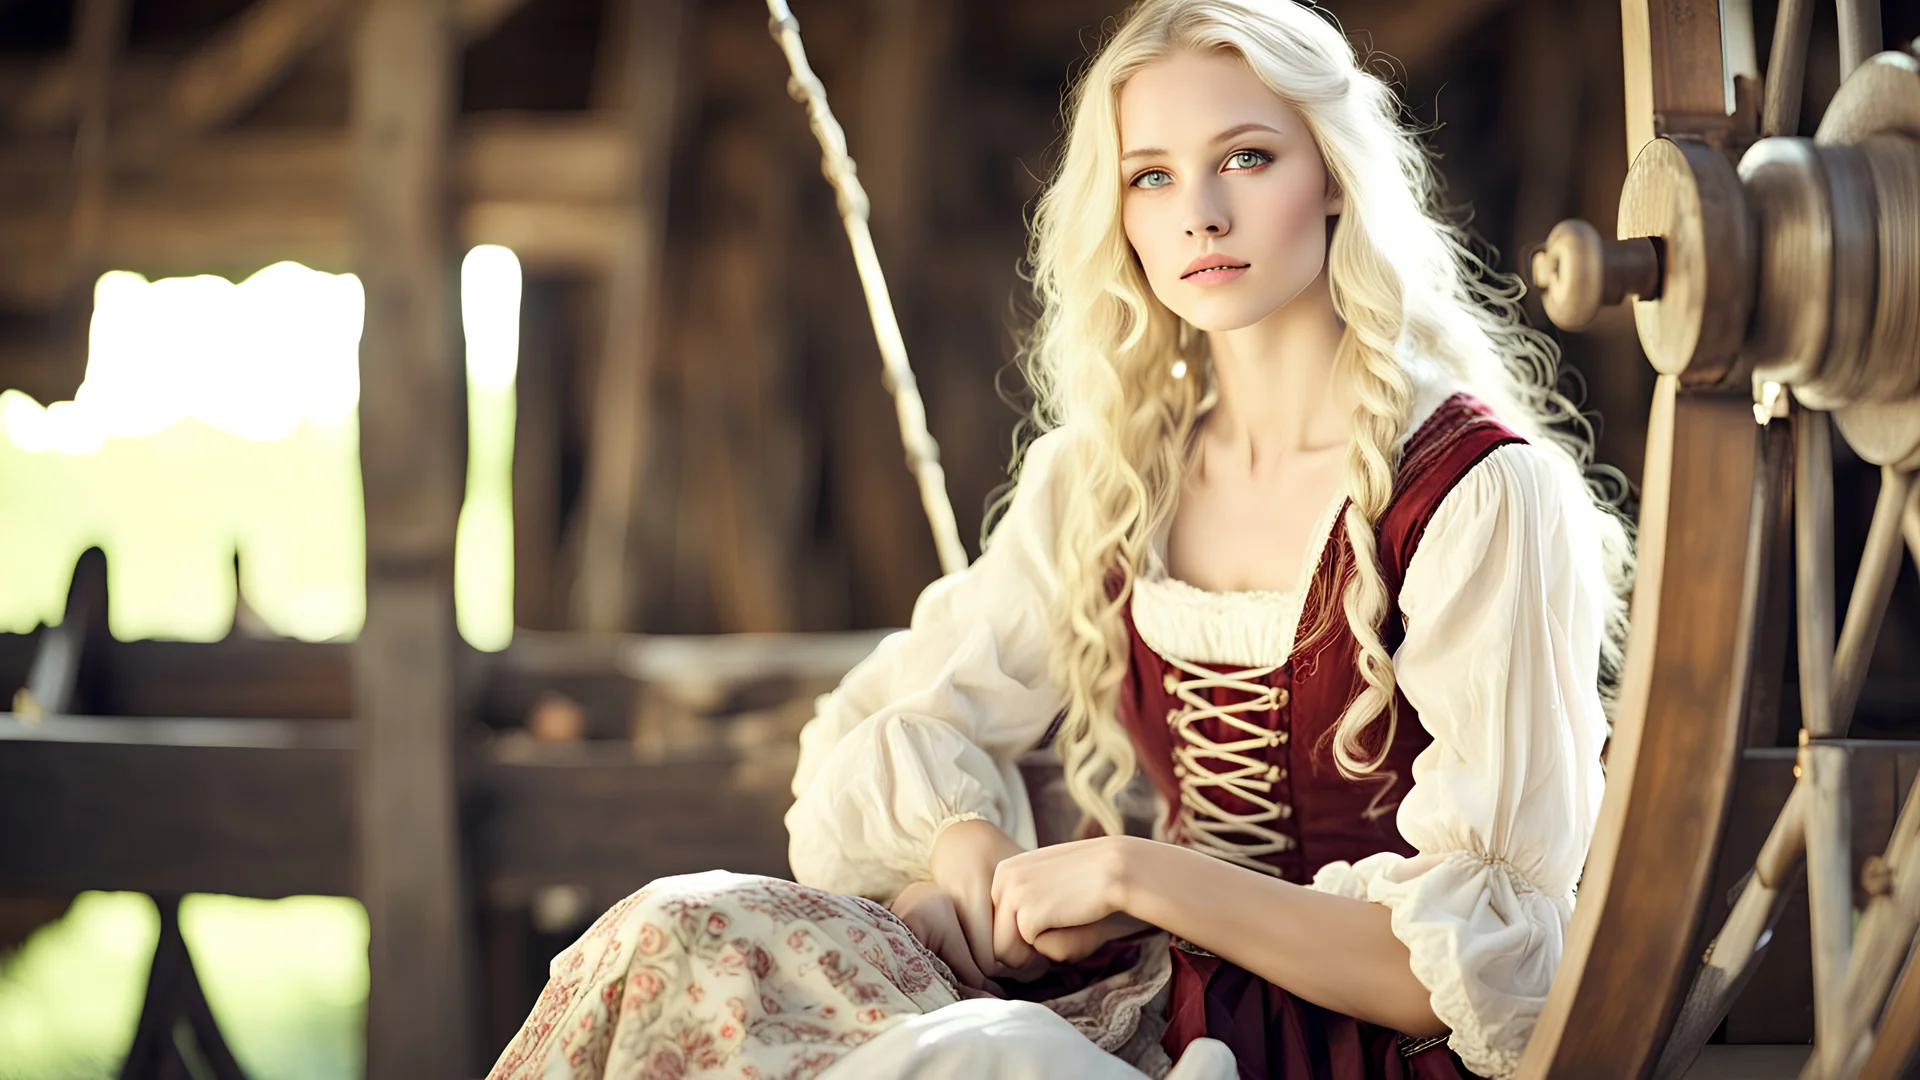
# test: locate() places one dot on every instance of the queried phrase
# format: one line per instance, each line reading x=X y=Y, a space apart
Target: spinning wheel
x=1774 y=279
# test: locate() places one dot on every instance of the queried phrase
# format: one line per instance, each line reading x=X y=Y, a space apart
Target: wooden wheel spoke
x=1886 y=932
x=1735 y=952
x=1786 y=67
x=1894 y=1046
x=1823 y=767
x=1885 y=935
x=1910 y=528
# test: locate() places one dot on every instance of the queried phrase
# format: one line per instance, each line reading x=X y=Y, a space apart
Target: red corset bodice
x=1243 y=757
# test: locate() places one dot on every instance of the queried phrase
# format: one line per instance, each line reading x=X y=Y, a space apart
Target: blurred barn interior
x=708 y=518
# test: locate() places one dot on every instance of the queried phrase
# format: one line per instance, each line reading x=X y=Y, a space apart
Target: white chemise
x=1504 y=602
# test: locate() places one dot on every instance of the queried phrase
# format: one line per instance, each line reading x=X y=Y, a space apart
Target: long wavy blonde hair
x=1101 y=357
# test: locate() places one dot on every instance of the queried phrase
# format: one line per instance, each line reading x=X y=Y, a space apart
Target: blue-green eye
x=1248 y=159
x=1162 y=180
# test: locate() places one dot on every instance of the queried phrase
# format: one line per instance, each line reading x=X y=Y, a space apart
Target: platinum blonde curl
x=1102 y=350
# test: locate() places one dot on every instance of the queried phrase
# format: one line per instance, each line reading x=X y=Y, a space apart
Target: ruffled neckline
x=1246 y=627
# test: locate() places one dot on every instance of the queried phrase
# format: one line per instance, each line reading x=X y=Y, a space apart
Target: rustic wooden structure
x=403 y=768
x=1775 y=279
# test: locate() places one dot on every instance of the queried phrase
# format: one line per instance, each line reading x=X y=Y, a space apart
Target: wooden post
x=411 y=439
x=99 y=26
x=536 y=457
x=645 y=59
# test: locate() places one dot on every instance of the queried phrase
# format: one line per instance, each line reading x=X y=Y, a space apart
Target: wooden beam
x=245 y=58
x=479 y=18
x=295 y=680
x=99 y=803
x=551 y=188
x=96 y=803
x=236 y=677
x=252 y=808
x=1414 y=35
x=646 y=59
x=406 y=831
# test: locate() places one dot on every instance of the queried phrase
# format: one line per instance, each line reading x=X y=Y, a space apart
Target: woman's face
x=1225 y=198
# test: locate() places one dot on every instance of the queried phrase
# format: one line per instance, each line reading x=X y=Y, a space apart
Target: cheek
x=1290 y=214
x=1136 y=220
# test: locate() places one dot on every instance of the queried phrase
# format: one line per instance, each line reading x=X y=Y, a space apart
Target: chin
x=1224 y=314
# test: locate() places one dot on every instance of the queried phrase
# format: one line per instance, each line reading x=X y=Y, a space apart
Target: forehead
x=1188 y=97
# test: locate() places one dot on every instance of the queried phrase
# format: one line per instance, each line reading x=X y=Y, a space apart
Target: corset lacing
x=1201 y=764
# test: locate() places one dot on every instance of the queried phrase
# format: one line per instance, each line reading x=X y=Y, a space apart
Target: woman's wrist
x=965 y=843
x=1131 y=879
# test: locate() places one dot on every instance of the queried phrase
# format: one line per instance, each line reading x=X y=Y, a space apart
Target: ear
x=1336 y=200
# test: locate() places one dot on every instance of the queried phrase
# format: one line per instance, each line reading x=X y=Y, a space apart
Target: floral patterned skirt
x=722 y=975
x=728 y=975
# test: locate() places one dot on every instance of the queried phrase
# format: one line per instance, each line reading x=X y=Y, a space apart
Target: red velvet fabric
x=1274 y=1034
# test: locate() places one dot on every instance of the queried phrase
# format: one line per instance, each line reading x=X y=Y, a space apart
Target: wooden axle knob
x=1577 y=272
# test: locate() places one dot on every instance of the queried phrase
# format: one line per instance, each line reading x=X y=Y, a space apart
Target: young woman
x=1306 y=544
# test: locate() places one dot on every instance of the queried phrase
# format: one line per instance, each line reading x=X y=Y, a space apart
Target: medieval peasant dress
x=1472 y=832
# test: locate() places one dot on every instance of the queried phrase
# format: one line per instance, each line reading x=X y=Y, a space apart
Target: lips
x=1217 y=263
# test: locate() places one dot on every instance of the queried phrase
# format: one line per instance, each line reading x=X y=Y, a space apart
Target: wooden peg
x=1578 y=272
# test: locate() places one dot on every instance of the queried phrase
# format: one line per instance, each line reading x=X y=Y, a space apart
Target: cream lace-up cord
x=1203 y=765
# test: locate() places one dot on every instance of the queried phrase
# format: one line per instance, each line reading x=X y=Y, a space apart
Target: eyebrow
x=1238 y=129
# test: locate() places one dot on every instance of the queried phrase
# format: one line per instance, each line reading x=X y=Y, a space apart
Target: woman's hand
x=962 y=864
x=1073 y=943
x=1060 y=888
x=930 y=914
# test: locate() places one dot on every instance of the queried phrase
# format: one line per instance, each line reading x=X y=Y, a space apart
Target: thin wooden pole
x=1823 y=768
x=1872 y=591
x=645 y=88
x=99 y=26
x=1786 y=68
x=411 y=434
x=1859 y=33
x=923 y=454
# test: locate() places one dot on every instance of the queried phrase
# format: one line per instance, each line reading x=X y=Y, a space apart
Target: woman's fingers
x=1016 y=958
x=952 y=948
x=930 y=914
x=939 y=929
x=976 y=922
x=1008 y=945
x=1067 y=944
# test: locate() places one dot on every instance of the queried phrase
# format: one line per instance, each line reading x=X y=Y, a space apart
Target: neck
x=1280 y=392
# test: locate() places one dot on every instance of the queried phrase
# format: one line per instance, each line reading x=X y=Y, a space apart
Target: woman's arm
x=926 y=731
x=1337 y=952
x=1334 y=951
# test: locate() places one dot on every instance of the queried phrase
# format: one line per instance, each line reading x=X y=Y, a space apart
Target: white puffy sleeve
x=1505 y=609
x=928 y=729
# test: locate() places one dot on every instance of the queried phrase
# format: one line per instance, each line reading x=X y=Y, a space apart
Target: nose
x=1206 y=212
